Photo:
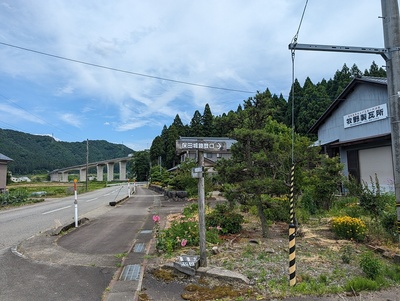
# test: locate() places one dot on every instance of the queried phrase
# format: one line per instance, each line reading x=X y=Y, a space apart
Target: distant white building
x=20 y=179
x=356 y=126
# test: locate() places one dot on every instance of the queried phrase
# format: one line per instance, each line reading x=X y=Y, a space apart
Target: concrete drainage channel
x=131 y=273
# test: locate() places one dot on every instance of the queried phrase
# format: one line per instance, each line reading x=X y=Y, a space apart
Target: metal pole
x=292 y=233
x=87 y=163
x=76 y=203
x=391 y=27
x=202 y=221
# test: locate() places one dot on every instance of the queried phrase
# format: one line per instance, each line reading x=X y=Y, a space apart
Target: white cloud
x=228 y=43
x=71 y=119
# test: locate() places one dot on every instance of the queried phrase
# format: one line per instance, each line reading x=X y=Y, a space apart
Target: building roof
x=5 y=158
x=343 y=96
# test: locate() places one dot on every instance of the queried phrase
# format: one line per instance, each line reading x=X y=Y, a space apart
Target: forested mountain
x=310 y=101
x=35 y=153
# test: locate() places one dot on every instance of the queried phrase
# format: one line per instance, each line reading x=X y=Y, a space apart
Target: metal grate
x=131 y=272
x=139 y=248
x=146 y=231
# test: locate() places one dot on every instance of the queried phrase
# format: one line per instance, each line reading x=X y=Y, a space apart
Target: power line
x=124 y=71
x=30 y=113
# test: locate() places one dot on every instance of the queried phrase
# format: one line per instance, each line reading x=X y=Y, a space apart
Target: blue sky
x=240 y=46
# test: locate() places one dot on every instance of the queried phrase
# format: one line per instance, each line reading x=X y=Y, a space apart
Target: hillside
x=35 y=153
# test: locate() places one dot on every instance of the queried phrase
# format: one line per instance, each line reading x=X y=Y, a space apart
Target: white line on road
x=91 y=200
x=51 y=211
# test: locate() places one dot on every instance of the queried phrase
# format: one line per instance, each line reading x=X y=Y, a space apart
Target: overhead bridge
x=61 y=175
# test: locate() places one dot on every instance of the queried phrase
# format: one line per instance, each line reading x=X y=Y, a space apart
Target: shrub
x=370 y=265
x=278 y=209
x=373 y=200
x=389 y=223
x=308 y=202
x=349 y=228
x=181 y=233
x=224 y=219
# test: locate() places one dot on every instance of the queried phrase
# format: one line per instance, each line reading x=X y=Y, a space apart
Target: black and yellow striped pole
x=398 y=218
x=292 y=233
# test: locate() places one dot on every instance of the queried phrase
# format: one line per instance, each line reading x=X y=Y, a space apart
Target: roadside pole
x=76 y=203
x=129 y=189
x=202 y=219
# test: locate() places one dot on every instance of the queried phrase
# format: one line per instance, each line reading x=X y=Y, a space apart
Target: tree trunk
x=261 y=215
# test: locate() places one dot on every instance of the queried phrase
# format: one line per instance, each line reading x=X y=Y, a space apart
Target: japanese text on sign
x=200 y=145
x=365 y=116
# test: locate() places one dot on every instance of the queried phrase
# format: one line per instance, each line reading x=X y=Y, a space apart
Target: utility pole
x=391 y=34
x=87 y=163
x=391 y=54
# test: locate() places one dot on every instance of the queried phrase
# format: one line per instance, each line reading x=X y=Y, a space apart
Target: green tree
x=182 y=179
x=141 y=165
x=324 y=181
x=157 y=151
x=261 y=162
x=159 y=175
x=207 y=121
x=375 y=71
x=196 y=125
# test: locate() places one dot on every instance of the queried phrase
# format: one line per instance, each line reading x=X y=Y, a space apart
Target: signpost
x=200 y=146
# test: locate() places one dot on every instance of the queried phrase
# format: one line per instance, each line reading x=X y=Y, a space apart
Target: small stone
x=215 y=250
x=269 y=250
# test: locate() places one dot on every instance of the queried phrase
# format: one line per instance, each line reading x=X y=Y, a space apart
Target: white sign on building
x=365 y=116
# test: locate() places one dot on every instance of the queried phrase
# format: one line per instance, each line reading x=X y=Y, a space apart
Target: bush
x=389 y=224
x=224 y=219
x=183 y=233
x=370 y=265
x=278 y=209
x=373 y=200
x=349 y=228
x=308 y=202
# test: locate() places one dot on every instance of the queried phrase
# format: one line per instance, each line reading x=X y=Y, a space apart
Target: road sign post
x=202 y=219
x=200 y=146
x=76 y=203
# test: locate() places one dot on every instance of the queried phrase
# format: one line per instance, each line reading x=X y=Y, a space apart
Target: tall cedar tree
x=207 y=122
x=196 y=126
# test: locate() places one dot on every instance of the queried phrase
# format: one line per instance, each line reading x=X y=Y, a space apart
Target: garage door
x=377 y=161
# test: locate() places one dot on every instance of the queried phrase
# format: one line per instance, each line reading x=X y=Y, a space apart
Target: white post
x=129 y=189
x=76 y=204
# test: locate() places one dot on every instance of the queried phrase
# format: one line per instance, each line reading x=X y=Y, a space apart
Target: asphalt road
x=23 y=279
x=21 y=223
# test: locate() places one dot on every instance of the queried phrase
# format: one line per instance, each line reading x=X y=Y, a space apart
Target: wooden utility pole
x=391 y=55
x=391 y=34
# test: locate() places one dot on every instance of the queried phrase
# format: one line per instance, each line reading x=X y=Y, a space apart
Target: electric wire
x=30 y=113
x=125 y=71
